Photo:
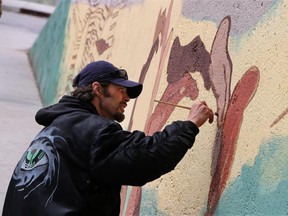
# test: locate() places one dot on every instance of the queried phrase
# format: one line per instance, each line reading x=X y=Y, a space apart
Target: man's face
x=113 y=102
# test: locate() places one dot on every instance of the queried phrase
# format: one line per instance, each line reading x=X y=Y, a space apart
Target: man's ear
x=96 y=87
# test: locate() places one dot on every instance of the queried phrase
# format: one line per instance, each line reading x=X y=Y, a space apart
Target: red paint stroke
x=133 y=208
x=174 y=92
x=242 y=95
x=281 y=116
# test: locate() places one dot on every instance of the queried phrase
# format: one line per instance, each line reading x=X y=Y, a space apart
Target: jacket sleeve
x=132 y=158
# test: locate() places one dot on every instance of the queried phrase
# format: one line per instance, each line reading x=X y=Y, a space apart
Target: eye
x=123 y=88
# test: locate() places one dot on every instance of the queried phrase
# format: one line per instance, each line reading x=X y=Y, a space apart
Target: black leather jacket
x=78 y=162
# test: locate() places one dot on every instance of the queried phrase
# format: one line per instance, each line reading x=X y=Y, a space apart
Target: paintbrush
x=180 y=106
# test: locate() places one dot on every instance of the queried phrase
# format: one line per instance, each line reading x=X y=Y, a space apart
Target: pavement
x=28 y=7
x=19 y=98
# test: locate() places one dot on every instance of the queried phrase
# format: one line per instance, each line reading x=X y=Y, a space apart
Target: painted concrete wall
x=232 y=54
x=46 y=53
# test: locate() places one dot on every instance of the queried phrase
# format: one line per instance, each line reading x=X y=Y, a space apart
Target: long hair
x=85 y=93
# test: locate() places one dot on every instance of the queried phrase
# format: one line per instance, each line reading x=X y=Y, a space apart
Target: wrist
x=196 y=122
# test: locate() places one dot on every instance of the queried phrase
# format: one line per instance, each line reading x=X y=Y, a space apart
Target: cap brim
x=134 y=89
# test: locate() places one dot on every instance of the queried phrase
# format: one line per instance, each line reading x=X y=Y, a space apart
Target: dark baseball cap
x=103 y=71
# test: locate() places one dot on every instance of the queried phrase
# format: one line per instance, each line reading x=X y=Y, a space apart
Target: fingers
x=211 y=117
x=200 y=113
x=209 y=113
x=203 y=102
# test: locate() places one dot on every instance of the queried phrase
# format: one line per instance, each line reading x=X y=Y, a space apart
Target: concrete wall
x=48 y=51
x=232 y=54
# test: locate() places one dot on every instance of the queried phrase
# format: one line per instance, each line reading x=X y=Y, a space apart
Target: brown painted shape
x=189 y=58
x=101 y=46
x=281 y=116
x=242 y=95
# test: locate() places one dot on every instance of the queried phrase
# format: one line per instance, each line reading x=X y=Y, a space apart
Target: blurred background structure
x=45 y=2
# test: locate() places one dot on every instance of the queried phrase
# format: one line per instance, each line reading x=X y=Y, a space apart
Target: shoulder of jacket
x=101 y=122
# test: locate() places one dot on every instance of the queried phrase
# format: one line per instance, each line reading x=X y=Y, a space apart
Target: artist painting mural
x=231 y=54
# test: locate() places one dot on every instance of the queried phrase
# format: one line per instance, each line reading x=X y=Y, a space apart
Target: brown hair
x=86 y=93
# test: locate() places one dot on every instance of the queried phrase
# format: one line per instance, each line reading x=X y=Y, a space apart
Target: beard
x=119 y=117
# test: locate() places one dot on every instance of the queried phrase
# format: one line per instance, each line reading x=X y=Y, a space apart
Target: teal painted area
x=149 y=203
x=261 y=189
x=47 y=52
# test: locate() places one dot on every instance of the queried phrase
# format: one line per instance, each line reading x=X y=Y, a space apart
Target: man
x=77 y=164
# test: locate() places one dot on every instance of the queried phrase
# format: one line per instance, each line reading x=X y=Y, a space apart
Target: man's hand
x=199 y=113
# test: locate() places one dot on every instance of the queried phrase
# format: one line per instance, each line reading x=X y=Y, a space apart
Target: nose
x=126 y=96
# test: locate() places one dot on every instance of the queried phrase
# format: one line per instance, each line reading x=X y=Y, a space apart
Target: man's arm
x=121 y=157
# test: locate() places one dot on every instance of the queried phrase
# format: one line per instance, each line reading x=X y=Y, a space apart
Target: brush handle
x=180 y=106
x=176 y=105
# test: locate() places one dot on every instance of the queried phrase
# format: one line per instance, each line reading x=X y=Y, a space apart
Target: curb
x=27 y=8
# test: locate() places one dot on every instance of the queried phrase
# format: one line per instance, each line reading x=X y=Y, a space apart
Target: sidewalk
x=28 y=7
x=19 y=98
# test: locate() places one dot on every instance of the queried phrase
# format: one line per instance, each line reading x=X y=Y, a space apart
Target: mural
x=232 y=54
